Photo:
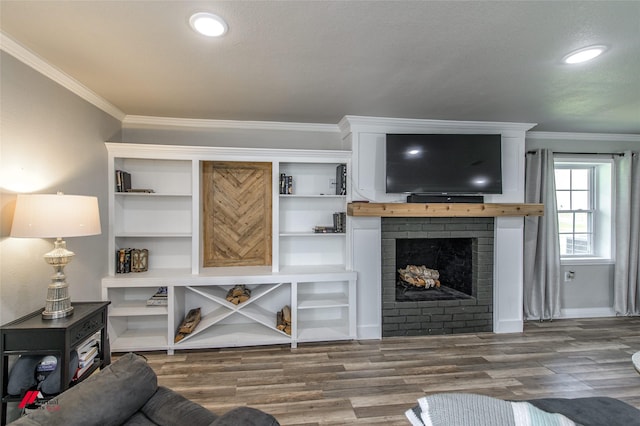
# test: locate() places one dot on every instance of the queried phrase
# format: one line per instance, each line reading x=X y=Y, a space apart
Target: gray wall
x=51 y=140
x=591 y=292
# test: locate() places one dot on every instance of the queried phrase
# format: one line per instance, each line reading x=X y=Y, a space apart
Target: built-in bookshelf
x=159 y=210
x=307 y=211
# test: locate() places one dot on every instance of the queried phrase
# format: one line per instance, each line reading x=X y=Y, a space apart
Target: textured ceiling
x=317 y=61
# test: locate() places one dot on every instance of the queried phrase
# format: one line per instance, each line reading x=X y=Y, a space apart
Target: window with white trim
x=584 y=195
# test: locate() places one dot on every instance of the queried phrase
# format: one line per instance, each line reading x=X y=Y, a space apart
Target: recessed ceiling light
x=208 y=24
x=583 y=55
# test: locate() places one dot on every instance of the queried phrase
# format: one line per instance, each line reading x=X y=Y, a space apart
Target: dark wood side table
x=32 y=335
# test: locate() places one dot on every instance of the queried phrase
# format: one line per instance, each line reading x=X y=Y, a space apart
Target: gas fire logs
x=420 y=276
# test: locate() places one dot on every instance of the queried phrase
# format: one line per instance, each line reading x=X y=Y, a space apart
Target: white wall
x=590 y=293
x=51 y=140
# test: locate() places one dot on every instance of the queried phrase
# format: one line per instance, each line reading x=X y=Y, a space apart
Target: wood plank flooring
x=374 y=382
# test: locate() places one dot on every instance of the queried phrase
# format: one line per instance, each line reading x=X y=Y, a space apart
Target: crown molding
x=139 y=121
x=611 y=137
x=187 y=152
x=353 y=123
x=29 y=58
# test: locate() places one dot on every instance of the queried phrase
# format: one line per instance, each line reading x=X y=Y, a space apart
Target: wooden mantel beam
x=443 y=209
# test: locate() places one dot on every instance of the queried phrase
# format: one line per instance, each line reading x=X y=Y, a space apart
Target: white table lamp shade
x=55 y=215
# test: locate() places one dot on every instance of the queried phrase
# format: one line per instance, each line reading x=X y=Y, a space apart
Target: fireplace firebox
x=434 y=269
x=437 y=275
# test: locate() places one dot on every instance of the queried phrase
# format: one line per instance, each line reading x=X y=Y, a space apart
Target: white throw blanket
x=460 y=409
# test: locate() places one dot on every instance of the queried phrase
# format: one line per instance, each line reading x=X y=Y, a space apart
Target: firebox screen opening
x=434 y=269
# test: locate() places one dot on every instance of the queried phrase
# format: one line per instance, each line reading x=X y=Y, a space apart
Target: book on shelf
x=83 y=369
x=339 y=221
x=320 y=229
x=339 y=225
x=341 y=179
x=141 y=190
x=286 y=184
x=123 y=181
x=87 y=356
x=89 y=347
x=159 y=298
x=123 y=261
x=131 y=260
x=87 y=351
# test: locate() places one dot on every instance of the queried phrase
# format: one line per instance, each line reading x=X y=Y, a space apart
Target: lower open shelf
x=135 y=340
x=232 y=335
x=314 y=331
x=322 y=305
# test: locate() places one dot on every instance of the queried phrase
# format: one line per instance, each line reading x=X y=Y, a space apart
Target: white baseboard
x=369 y=332
x=508 y=326
x=587 y=313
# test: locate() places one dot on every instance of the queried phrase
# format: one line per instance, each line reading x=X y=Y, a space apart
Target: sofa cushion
x=167 y=408
x=461 y=409
x=593 y=411
x=139 y=419
x=110 y=397
x=245 y=416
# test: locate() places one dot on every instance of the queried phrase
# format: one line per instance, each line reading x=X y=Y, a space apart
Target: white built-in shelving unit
x=310 y=272
x=312 y=202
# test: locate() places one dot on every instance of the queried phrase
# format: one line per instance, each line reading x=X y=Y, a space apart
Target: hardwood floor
x=374 y=382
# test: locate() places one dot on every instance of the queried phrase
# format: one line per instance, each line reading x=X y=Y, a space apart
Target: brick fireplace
x=462 y=249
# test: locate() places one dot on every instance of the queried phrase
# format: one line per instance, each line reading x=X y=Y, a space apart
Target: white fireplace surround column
x=366 y=136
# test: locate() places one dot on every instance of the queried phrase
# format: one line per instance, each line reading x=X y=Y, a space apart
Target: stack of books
x=123 y=181
x=286 y=184
x=159 y=298
x=320 y=229
x=339 y=225
x=131 y=260
x=87 y=353
x=340 y=221
x=123 y=261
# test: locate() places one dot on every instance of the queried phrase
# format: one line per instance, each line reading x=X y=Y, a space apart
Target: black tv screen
x=443 y=164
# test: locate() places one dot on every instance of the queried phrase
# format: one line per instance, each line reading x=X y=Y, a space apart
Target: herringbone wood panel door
x=236 y=213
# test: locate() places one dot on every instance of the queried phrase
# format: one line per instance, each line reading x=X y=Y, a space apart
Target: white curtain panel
x=541 y=242
x=626 y=284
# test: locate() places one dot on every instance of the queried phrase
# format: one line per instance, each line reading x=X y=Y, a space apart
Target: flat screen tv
x=443 y=164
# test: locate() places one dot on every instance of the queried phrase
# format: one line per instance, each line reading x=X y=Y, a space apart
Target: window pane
x=580 y=200
x=563 y=198
x=582 y=244
x=580 y=179
x=564 y=244
x=565 y=222
x=563 y=178
x=582 y=222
